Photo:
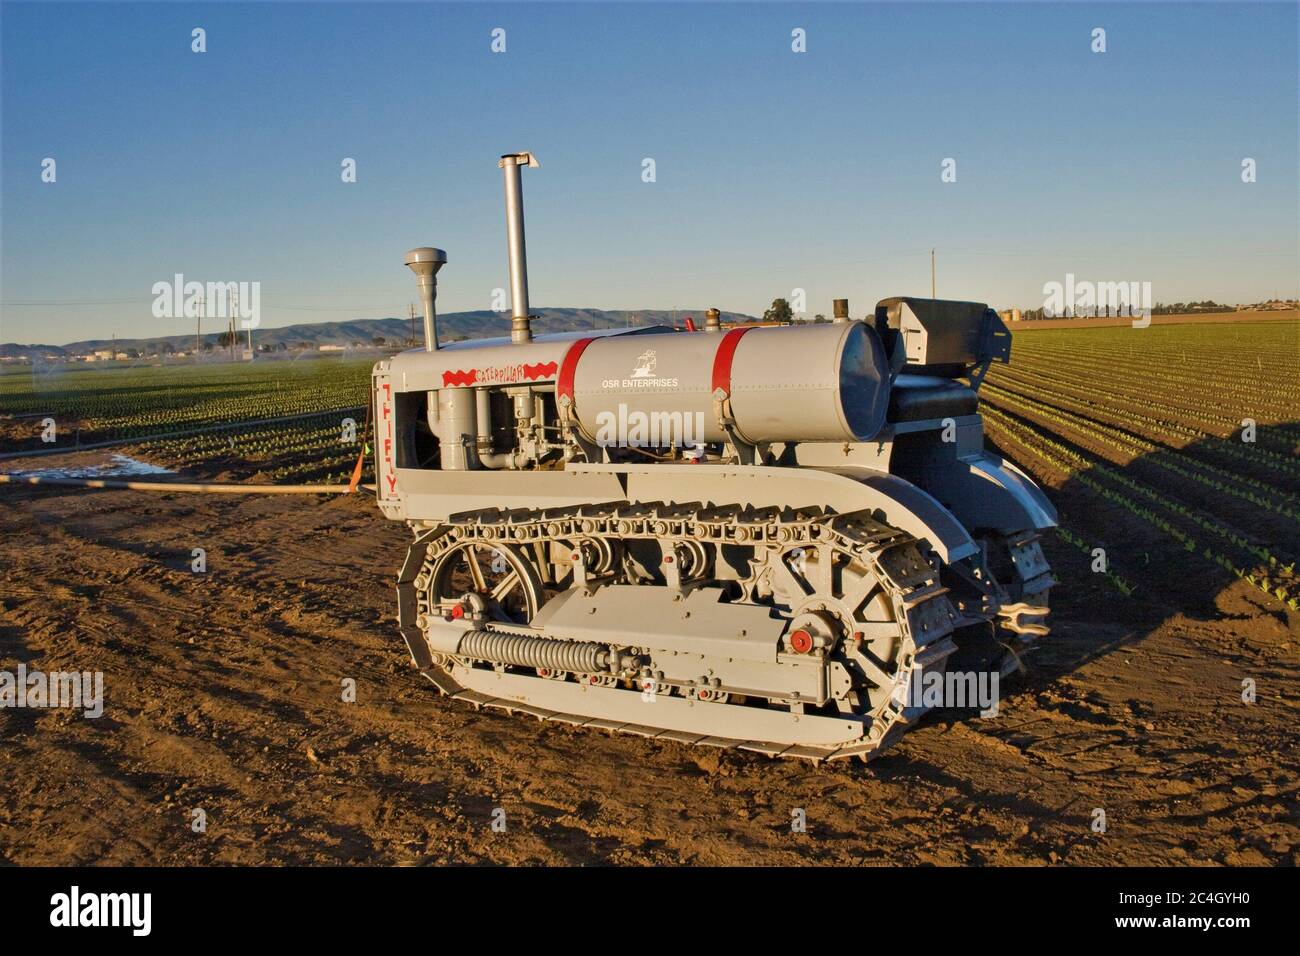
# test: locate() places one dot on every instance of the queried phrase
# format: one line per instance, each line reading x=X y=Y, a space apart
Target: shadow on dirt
x=1165 y=527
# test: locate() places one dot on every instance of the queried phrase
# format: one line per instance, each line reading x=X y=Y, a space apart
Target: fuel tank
x=780 y=383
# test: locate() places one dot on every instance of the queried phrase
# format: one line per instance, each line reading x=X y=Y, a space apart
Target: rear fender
x=982 y=489
x=1018 y=493
x=985 y=491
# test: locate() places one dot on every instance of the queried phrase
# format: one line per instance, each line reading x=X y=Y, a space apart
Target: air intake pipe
x=520 y=327
x=425 y=263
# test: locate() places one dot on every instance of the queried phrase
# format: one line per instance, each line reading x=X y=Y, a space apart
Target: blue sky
x=775 y=170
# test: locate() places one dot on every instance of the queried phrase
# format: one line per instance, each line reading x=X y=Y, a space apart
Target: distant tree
x=818 y=319
x=379 y=340
x=225 y=340
x=167 y=349
x=304 y=345
x=780 y=312
x=281 y=347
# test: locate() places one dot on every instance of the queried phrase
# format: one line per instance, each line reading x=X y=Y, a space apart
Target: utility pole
x=410 y=311
x=932 y=294
x=198 y=330
x=234 y=310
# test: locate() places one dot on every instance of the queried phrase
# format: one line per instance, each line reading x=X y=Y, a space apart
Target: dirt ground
x=223 y=693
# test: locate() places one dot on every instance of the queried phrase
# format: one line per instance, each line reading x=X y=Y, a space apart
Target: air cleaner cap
x=426 y=260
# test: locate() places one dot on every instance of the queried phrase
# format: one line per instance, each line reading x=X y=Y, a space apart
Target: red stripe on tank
x=723 y=357
x=564 y=384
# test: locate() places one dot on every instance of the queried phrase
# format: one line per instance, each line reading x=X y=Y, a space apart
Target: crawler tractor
x=761 y=537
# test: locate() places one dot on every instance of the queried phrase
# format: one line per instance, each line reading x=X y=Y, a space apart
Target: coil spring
x=580 y=656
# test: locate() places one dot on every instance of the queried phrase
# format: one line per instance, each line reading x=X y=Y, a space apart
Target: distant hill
x=451 y=327
x=12 y=350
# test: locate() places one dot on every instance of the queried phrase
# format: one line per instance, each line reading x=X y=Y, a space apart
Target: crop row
x=1130 y=495
x=1137 y=406
x=1254 y=492
x=111 y=404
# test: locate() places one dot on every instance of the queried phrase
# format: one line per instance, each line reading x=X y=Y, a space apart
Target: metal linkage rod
x=207 y=488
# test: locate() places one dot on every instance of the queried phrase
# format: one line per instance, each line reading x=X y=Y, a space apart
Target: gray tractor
x=764 y=537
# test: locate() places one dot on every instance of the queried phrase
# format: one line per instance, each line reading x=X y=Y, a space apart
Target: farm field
x=278 y=420
x=1173 y=448
x=224 y=686
x=1179 y=318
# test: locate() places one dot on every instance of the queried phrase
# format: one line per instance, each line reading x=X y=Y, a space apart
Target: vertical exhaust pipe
x=425 y=263
x=520 y=327
x=840 y=310
x=712 y=321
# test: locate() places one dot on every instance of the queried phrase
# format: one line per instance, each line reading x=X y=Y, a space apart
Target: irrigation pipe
x=207 y=488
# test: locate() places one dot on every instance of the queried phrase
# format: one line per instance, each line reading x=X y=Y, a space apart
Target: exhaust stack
x=425 y=263
x=520 y=327
x=840 y=308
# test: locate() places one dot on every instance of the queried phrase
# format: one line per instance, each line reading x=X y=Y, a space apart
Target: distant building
x=331 y=348
x=1010 y=315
